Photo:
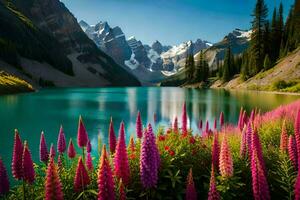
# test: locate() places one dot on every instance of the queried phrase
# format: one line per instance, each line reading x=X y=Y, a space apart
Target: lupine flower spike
x=297 y=187
x=184 y=120
x=215 y=151
x=292 y=150
x=89 y=162
x=121 y=164
x=82 y=136
x=215 y=124
x=61 y=141
x=175 y=125
x=139 y=126
x=243 y=147
x=106 y=186
x=226 y=163
x=71 y=149
x=131 y=148
x=221 y=120
x=122 y=193
x=27 y=165
x=149 y=160
x=4 y=183
x=112 y=137
x=213 y=193
x=52 y=151
x=53 y=187
x=283 y=138
x=190 y=192
x=44 y=155
x=16 y=167
x=82 y=178
x=200 y=125
x=89 y=147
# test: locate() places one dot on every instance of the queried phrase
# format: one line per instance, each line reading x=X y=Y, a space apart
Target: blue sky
x=171 y=21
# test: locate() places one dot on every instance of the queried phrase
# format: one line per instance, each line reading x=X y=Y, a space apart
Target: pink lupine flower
x=249 y=138
x=89 y=147
x=149 y=160
x=259 y=182
x=61 y=141
x=122 y=193
x=82 y=178
x=82 y=136
x=89 y=162
x=256 y=146
x=207 y=127
x=200 y=125
x=27 y=165
x=44 y=155
x=190 y=192
x=60 y=161
x=16 y=167
x=106 y=186
x=122 y=170
x=139 y=126
x=240 y=119
x=184 y=120
x=297 y=187
x=4 y=183
x=297 y=134
x=213 y=193
x=112 y=137
x=52 y=151
x=175 y=125
x=215 y=124
x=131 y=148
x=243 y=146
x=221 y=120
x=71 y=150
x=252 y=116
x=292 y=150
x=226 y=163
x=215 y=151
x=53 y=187
x=283 y=138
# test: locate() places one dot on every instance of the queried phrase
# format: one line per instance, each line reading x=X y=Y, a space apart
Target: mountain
x=41 y=39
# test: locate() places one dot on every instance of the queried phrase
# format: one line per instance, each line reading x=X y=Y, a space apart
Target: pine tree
x=296 y=22
x=190 y=67
x=267 y=62
x=227 y=65
x=260 y=14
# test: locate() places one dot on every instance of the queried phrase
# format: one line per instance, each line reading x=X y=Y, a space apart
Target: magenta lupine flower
x=207 y=127
x=215 y=151
x=256 y=146
x=53 y=187
x=89 y=162
x=44 y=155
x=52 y=151
x=226 y=163
x=112 y=137
x=27 y=165
x=139 y=126
x=259 y=182
x=213 y=193
x=200 y=125
x=122 y=170
x=71 y=150
x=175 y=125
x=82 y=136
x=106 y=186
x=59 y=161
x=89 y=147
x=283 y=138
x=61 y=141
x=215 y=124
x=184 y=120
x=297 y=134
x=297 y=187
x=243 y=146
x=16 y=167
x=82 y=178
x=249 y=138
x=4 y=183
x=221 y=120
x=149 y=160
x=292 y=150
x=240 y=119
x=190 y=192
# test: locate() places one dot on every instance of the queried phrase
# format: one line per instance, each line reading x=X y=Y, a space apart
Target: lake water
x=47 y=109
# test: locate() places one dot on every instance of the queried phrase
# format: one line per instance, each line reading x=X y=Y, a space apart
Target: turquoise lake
x=47 y=109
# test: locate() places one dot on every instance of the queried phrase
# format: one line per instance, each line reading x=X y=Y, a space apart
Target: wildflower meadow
x=258 y=158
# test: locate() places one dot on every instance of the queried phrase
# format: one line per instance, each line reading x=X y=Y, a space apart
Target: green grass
x=11 y=84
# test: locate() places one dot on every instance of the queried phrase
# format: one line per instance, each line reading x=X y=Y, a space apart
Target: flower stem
x=24 y=190
x=83 y=154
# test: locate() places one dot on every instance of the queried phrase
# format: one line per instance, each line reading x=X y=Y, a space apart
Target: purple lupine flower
x=112 y=137
x=221 y=120
x=184 y=120
x=292 y=150
x=200 y=125
x=297 y=134
x=16 y=166
x=89 y=147
x=71 y=150
x=256 y=146
x=27 y=165
x=215 y=124
x=215 y=151
x=243 y=147
x=4 y=183
x=61 y=141
x=52 y=151
x=213 y=193
x=149 y=160
x=207 y=127
x=139 y=126
x=44 y=154
x=122 y=170
x=190 y=192
x=89 y=162
x=82 y=136
x=249 y=138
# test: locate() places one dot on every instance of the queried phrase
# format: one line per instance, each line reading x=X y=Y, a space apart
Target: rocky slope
x=44 y=42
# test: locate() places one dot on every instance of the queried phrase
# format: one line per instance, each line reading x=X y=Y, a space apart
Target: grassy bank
x=10 y=84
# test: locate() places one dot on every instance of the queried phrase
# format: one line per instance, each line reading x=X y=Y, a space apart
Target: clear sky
x=171 y=21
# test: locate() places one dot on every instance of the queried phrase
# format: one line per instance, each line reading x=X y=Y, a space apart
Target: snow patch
x=153 y=56
x=132 y=63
